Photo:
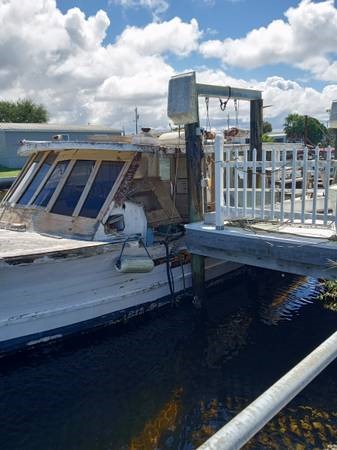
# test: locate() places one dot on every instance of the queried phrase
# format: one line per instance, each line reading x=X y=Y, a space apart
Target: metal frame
x=208 y=90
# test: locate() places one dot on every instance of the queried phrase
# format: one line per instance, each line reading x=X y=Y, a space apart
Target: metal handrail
x=248 y=422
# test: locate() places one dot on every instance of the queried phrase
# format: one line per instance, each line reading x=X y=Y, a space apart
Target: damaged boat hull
x=49 y=298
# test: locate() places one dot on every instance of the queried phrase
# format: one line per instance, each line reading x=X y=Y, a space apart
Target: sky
x=95 y=61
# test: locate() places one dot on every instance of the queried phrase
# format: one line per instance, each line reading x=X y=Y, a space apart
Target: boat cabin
x=97 y=190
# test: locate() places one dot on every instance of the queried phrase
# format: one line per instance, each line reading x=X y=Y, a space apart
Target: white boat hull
x=51 y=298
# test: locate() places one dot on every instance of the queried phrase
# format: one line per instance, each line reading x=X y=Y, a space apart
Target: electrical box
x=182 y=105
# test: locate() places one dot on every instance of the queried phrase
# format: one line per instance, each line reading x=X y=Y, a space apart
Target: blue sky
x=95 y=61
x=218 y=19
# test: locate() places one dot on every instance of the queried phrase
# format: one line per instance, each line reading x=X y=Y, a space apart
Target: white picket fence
x=267 y=189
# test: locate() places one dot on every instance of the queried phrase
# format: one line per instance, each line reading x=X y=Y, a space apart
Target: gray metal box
x=182 y=105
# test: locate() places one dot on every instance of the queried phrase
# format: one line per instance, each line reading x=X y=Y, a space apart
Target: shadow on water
x=170 y=380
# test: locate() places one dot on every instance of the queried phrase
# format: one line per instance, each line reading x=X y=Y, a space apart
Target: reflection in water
x=164 y=422
x=298 y=428
x=227 y=338
x=170 y=381
x=284 y=301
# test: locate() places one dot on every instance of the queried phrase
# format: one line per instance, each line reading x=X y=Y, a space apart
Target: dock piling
x=194 y=156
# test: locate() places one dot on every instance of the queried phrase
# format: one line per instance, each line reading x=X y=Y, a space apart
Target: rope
x=208 y=121
x=236 y=107
x=129 y=238
x=260 y=173
x=246 y=224
x=223 y=104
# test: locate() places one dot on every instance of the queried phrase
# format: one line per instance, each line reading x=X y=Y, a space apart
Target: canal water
x=170 y=380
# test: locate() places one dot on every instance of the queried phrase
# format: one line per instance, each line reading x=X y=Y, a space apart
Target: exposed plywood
x=13 y=216
x=46 y=222
x=37 y=219
x=163 y=210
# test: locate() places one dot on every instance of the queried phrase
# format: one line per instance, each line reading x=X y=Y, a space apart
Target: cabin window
x=49 y=188
x=165 y=168
x=105 y=179
x=73 y=188
x=38 y=177
x=22 y=180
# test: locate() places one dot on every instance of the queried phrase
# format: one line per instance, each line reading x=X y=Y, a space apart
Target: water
x=170 y=380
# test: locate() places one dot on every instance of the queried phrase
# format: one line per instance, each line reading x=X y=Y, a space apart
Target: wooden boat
x=85 y=237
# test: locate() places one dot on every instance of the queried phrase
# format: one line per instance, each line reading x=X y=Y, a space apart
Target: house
x=278 y=136
x=11 y=134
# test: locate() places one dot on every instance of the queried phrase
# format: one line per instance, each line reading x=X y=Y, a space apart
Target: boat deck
x=14 y=244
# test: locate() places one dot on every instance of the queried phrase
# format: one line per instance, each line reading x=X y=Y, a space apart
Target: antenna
x=136 y=119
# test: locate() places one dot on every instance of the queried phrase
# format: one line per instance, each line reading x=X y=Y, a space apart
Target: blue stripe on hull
x=115 y=317
x=30 y=341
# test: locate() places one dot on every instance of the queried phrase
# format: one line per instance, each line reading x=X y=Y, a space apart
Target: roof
x=277 y=133
x=29 y=147
x=57 y=127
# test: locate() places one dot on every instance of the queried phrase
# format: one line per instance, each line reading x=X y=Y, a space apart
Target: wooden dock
x=271 y=249
x=260 y=222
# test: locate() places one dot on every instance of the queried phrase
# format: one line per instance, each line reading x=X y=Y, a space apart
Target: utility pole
x=305 y=130
x=256 y=125
x=136 y=119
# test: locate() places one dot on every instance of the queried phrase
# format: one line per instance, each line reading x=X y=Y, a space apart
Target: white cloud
x=284 y=96
x=306 y=39
x=61 y=61
x=157 y=7
x=156 y=38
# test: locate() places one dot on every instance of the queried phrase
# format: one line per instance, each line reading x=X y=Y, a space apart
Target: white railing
x=286 y=186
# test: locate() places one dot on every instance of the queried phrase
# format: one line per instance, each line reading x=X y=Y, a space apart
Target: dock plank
x=310 y=256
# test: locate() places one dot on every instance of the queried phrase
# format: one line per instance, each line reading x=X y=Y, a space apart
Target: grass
x=329 y=294
x=5 y=172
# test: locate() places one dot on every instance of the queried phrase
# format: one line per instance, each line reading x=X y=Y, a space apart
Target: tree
x=266 y=138
x=266 y=127
x=294 y=127
x=22 y=111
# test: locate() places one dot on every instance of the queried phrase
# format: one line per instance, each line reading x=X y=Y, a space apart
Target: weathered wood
x=65 y=226
x=193 y=160
x=256 y=125
x=314 y=257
